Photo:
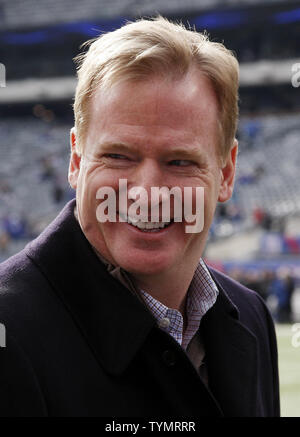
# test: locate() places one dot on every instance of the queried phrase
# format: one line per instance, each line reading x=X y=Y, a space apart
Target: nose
x=147 y=175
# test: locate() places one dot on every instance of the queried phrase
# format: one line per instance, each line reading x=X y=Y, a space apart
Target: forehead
x=157 y=109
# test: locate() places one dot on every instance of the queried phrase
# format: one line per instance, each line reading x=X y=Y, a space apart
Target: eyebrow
x=118 y=146
x=191 y=153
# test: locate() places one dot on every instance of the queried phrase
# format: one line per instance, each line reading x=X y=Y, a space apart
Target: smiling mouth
x=147 y=226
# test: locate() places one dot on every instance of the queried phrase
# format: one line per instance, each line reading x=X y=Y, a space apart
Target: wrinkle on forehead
x=186 y=109
x=191 y=86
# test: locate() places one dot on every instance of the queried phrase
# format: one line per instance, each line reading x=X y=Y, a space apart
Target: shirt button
x=164 y=322
x=169 y=358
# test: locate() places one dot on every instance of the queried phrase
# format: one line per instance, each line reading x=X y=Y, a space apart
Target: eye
x=180 y=163
x=115 y=156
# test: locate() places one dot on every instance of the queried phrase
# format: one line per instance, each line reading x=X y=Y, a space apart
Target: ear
x=228 y=173
x=75 y=158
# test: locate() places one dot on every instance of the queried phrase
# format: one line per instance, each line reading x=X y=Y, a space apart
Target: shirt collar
x=202 y=295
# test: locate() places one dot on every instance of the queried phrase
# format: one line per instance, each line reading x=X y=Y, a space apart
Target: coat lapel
x=231 y=357
x=111 y=318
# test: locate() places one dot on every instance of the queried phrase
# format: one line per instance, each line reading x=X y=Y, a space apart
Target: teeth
x=144 y=225
x=147 y=225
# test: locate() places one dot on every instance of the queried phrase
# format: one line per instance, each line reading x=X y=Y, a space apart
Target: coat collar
x=113 y=321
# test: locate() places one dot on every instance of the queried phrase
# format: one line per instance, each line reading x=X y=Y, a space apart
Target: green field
x=289 y=372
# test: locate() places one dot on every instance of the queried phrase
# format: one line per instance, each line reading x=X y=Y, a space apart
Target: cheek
x=210 y=201
x=103 y=178
x=204 y=197
x=90 y=182
x=87 y=203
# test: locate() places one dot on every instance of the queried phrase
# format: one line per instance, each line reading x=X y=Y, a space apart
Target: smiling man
x=122 y=317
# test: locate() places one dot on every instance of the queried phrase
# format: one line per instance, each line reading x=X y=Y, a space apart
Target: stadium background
x=255 y=236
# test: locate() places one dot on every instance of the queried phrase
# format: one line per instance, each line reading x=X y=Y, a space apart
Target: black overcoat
x=78 y=343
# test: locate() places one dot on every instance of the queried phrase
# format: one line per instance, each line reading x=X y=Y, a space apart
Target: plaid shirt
x=202 y=295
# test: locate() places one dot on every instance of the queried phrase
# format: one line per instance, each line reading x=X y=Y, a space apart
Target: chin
x=146 y=265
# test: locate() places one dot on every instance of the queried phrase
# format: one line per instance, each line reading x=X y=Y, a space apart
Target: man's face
x=154 y=133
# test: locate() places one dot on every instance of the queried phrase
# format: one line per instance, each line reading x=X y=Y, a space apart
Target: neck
x=168 y=288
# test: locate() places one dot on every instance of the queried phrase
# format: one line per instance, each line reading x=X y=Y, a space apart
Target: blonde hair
x=156 y=47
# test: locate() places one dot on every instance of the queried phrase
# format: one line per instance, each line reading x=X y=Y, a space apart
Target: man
x=119 y=317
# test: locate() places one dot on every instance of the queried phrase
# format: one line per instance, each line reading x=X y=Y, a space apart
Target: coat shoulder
x=26 y=296
x=253 y=310
x=241 y=296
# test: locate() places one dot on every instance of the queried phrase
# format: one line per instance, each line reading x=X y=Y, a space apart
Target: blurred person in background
x=281 y=289
x=123 y=319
